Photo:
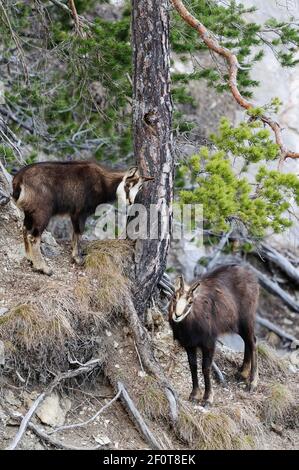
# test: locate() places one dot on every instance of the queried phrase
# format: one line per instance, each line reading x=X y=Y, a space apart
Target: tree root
x=25 y=420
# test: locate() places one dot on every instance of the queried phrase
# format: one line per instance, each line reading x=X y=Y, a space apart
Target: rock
x=102 y=440
x=232 y=341
x=294 y=358
x=53 y=410
x=273 y=339
x=3 y=310
x=49 y=246
x=11 y=399
x=2 y=353
x=48 y=238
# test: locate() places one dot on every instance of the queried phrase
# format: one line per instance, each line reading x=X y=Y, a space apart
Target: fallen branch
x=87 y=367
x=90 y=420
x=276 y=329
x=25 y=421
x=215 y=255
x=269 y=253
x=233 y=68
x=276 y=290
x=44 y=436
x=148 y=435
x=218 y=374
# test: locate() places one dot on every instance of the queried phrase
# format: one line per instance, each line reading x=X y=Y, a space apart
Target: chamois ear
x=193 y=287
x=179 y=284
x=132 y=172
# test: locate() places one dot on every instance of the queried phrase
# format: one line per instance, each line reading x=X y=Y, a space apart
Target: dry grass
x=223 y=428
x=279 y=406
x=44 y=334
x=270 y=363
x=153 y=402
x=107 y=264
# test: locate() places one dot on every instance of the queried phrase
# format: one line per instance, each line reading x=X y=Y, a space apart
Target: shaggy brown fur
x=223 y=301
x=45 y=189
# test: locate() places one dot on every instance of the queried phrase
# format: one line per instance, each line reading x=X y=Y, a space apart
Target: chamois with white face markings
x=222 y=301
x=43 y=190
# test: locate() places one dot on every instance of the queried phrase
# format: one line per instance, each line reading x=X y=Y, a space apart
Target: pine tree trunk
x=152 y=119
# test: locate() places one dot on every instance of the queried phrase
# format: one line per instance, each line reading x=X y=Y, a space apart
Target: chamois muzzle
x=182 y=309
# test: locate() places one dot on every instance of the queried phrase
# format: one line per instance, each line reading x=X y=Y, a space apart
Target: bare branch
x=76 y=17
x=90 y=420
x=150 y=438
x=25 y=422
x=276 y=329
x=68 y=10
x=233 y=67
x=44 y=436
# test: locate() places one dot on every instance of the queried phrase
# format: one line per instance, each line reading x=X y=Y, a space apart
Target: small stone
x=11 y=399
x=141 y=373
x=117 y=366
x=108 y=333
x=102 y=440
x=53 y=410
x=273 y=339
x=115 y=345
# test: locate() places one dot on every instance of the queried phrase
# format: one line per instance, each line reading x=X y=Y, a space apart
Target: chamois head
x=182 y=299
x=131 y=184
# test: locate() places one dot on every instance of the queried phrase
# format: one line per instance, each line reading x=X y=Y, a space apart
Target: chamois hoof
x=207 y=403
x=194 y=397
x=79 y=260
x=43 y=270
x=251 y=387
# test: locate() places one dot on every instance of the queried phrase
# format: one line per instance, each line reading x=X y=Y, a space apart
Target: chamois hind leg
x=27 y=226
x=78 y=228
x=245 y=369
x=192 y=359
x=207 y=360
x=253 y=378
x=34 y=229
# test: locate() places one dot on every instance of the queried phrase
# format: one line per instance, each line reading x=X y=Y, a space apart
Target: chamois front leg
x=192 y=359
x=34 y=225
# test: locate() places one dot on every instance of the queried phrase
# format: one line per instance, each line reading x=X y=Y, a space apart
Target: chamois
x=222 y=301
x=45 y=189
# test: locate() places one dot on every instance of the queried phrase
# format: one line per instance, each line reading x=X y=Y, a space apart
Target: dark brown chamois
x=43 y=190
x=223 y=301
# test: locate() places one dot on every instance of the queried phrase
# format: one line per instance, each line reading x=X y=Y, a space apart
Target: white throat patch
x=121 y=194
x=134 y=191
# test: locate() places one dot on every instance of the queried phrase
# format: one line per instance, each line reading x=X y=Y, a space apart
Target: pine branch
x=233 y=68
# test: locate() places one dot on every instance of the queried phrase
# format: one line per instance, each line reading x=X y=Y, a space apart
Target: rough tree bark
x=152 y=114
